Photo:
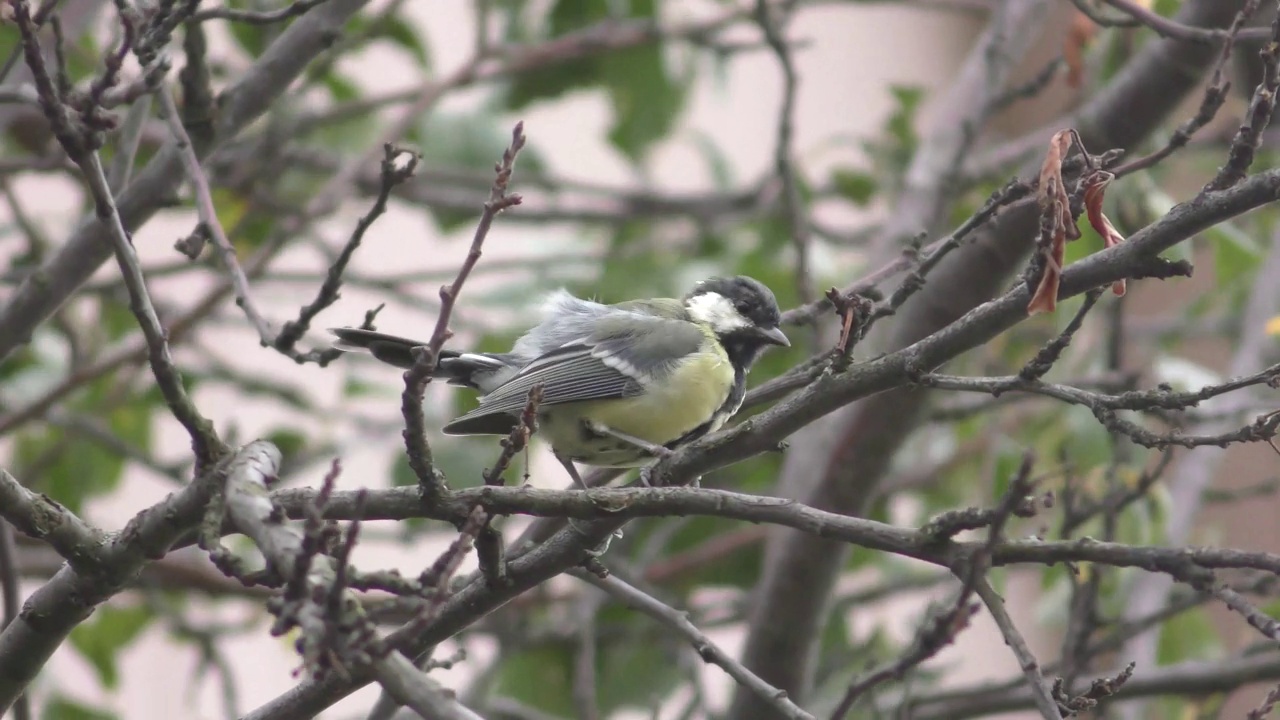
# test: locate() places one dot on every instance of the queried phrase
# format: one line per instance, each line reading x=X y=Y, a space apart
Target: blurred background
x=653 y=162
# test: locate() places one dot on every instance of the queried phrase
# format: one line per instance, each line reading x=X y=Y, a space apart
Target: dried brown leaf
x=1094 y=193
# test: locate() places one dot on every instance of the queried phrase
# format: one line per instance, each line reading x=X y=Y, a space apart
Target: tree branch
x=78 y=258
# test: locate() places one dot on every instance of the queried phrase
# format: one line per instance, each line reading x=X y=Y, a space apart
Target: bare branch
x=1166 y=27
x=393 y=174
x=37 y=516
x=1249 y=137
x=1045 y=703
x=335 y=637
x=211 y=226
x=89 y=247
x=1267 y=705
x=709 y=652
x=71 y=595
x=12 y=598
x=417 y=377
x=773 y=21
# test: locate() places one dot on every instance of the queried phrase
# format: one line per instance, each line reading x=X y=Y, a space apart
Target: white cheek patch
x=715 y=310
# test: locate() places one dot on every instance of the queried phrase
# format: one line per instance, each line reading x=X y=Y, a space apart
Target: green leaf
x=716 y=159
x=62 y=708
x=473 y=143
x=464 y=460
x=855 y=186
x=1008 y=461
x=555 y=80
x=1188 y=636
x=539 y=676
x=290 y=441
x=74 y=467
x=739 y=568
x=251 y=38
x=401 y=474
x=1087 y=244
x=83 y=58
x=249 y=229
x=342 y=89
x=646 y=99
x=402 y=34
x=1236 y=255
x=22 y=360
x=631 y=276
x=116 y=319
x=891 y=153
x=901 y=124
x=641 y=655
x=1077 y=434
x=110 y=630
x=834 y=644
x=72 y=470
x=131 y=422
x=1271 y=608
x=354 y=387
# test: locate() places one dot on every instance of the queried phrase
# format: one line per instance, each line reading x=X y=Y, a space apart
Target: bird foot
x=573 y=471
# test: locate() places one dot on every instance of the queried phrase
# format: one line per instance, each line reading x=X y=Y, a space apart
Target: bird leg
x=643 y=477
x=652 y=449
x=655 y=450
x=573 y=471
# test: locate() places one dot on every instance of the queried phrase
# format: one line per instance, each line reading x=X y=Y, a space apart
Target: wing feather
x=570 y=377
x=617 y=360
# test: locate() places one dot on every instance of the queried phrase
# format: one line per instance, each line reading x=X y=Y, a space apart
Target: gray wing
x=624 y=352
x=565 y=320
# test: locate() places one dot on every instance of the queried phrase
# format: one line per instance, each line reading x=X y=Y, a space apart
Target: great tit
x=621 y=384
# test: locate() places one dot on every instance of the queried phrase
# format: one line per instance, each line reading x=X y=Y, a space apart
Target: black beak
x=774 y=336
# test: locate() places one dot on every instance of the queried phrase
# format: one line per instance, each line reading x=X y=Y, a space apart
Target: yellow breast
x=680 y=403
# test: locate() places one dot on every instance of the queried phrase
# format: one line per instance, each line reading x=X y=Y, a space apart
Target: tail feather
x=473 y=370
x=389 y=349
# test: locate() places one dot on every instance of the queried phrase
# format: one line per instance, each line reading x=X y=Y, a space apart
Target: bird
x=622 y=384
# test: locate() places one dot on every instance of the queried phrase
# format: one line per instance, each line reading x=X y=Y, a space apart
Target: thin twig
x=9 y=586
x=335 y=636
x=393 y=174
x=417 y=377
x=1248 y=139
x=921 y=260
x=773 y=21
x=127 y=143
x=518 y=439
x=209 y=219
x=1045 y=703
x=1204 y=581
x=435 y=579
x=1044 y=360
x=1215 y=95
x=1166 y=27
x=79 y=142
x=937 y=630
x=707 y=650
x=204 y=439
x=1266 y=706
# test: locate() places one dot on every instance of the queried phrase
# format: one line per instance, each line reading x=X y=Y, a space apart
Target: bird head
x=741 y=311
